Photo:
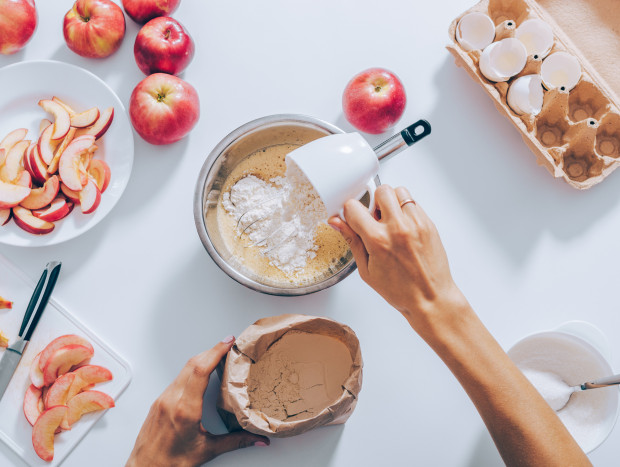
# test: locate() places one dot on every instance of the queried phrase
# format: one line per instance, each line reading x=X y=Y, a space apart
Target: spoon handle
x=602 y=382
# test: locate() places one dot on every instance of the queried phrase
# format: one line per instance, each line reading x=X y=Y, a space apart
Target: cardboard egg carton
x=576 y=136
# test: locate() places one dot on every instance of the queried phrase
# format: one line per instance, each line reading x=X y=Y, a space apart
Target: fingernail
x=334 y=227
x=228 y=339
x=260 y=443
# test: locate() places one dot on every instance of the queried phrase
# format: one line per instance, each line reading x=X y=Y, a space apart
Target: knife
x=38 y=302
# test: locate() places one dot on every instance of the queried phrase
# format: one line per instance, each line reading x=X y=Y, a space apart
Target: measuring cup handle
x=371 y=186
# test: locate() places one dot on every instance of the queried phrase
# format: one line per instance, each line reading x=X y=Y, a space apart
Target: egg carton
x=576 y=136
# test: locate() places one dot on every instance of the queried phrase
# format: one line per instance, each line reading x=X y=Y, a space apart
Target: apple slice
x=86 y=377
x=26 y=160
x=11 y=195
x=36 y=375
x=59 y=342
x=47 y=145
x=12 y=139
x=62 y=120
x=85 y=119
x=24 y=179
x=83 y=403
x=43 y=125
x=53 y=166
x=57 y=394
x=5 y=217
x=41 y=197
x=26 y=221
x=33 y=404
x=63 y=359
x=101 y=125
x=66 y=106
x=74 y=196
x=101 y=172
x=44 y=429
x=59 y=209
x=70 y=161
x=37 y=166
x=13 y=163
x=90 y=197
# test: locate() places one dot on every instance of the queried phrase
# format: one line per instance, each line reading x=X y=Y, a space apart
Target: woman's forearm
x=525 y=429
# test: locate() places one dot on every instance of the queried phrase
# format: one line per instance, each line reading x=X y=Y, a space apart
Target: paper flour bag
x=288 y=374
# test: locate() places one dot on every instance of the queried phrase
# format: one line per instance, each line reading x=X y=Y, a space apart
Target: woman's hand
x=172 y=434
x=400 y=255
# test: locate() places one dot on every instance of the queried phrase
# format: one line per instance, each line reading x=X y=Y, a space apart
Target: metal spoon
x=598 y=383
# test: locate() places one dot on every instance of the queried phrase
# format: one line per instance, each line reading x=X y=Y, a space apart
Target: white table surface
x=528 y=251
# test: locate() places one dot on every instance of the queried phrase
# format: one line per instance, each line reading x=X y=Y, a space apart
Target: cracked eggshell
x=475 y=31
x=503 y=59
x=560 y=70
x=537 y=36
x=525 y=95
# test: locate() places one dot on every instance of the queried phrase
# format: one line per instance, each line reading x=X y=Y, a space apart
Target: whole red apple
x=163 y=108
x=374 y=100
x=18 y=20
x=163 y=46
x=94 y=28
x=142 y=11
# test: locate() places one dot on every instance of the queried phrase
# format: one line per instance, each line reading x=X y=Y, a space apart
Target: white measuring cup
x=341 y=167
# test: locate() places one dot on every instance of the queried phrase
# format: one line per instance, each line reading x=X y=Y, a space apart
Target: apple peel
x=44 y=429
x=83 y=403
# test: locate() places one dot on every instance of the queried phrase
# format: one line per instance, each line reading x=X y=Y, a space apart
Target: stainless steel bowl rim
x=199 y=197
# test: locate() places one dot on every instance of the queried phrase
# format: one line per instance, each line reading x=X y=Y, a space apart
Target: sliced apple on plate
x=86 y=377
x=38 y=168
x=83 y=403
x=5 y=216
x=70 y=165
x=12 y=139
x=58 y=209
x=24 y=179
x=85 y=119
x=90 y=197
x=62 y=119
x=11 y=195
x=53 y=165
x=13 y=163
x=66 y=106
x=63 y=359
x=41 y=197
x=101 y=125
x=100 y=171
x=25 y=220
x=33 y=404
x=44 y=429
x=73 y=196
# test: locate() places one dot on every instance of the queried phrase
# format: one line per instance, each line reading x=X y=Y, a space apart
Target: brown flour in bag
x=288 y=374
x=299 y=376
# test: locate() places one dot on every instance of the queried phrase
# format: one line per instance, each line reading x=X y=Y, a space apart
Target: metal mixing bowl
x=245 y=140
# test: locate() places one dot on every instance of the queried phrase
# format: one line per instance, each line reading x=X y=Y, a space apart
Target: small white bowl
x=475 y=31
x=576 y=351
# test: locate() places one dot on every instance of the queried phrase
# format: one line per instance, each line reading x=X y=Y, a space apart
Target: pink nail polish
x=260 y=443
x=228 y=339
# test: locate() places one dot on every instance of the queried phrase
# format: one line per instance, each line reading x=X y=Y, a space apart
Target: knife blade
x=13 y=354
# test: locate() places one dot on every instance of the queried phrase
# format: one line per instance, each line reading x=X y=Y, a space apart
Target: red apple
x=18 y=20
x=374 y=100
x=163 y=108
x=142 y=11
x=163 y=46
x=94 y=28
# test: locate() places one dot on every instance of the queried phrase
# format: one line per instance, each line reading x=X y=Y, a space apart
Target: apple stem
x=167 y=34
x=86 y=19
x=160 y=97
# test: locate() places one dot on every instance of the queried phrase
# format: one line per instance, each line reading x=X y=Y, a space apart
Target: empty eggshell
x=503 y=59
x=537 y=36
x=560 y=70
x=475 y=31
x=525 y=95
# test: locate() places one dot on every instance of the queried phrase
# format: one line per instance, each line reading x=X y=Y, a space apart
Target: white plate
x=15 y=431
x=28 y=82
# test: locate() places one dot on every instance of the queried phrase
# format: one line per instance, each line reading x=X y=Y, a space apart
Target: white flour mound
x=279 y=216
